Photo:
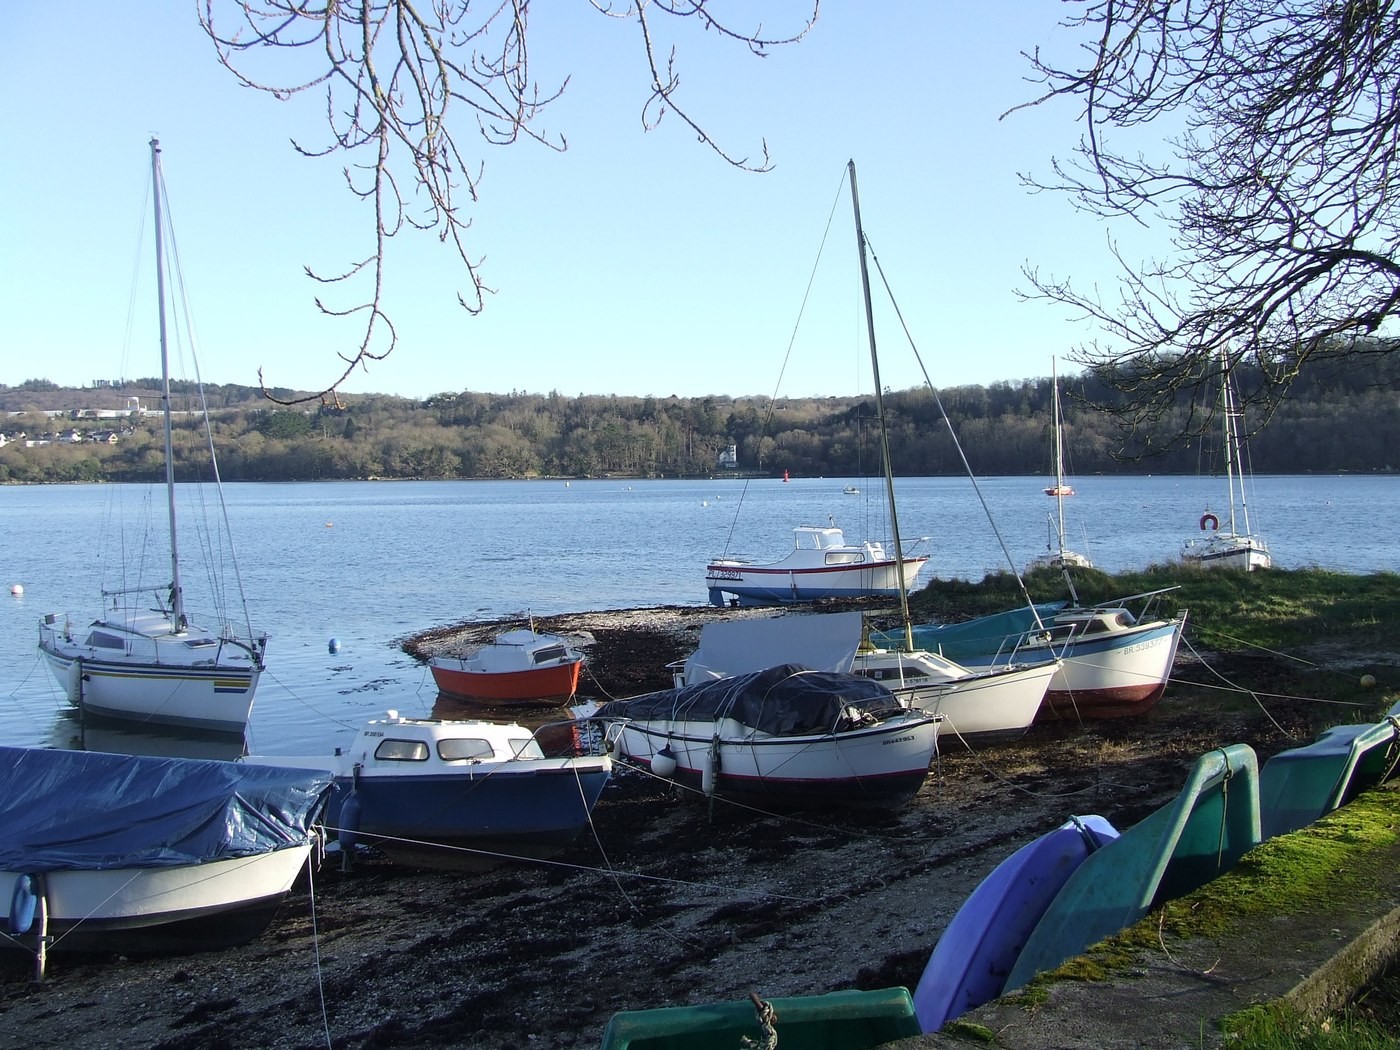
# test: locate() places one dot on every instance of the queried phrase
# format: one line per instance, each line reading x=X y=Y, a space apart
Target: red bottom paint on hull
x=1099 y=703
x=545 y=683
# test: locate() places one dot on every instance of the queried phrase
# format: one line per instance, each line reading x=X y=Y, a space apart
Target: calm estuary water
x=368 y=563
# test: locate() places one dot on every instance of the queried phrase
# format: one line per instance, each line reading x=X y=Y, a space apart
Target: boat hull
x=1111 y=675
x=1114 y=677
x=981 y=943
x=1228 y=551
x=212 y=698
x=877 y=766
x=498 y=814
x=540 y=683
x=750 y=585
x=190 y=907
x=1005 y=700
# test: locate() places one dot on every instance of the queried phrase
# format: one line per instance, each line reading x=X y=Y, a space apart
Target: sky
x=635 y=263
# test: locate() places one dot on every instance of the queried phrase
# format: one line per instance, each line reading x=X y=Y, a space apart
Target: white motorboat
x=820 y=565
x=142 y=660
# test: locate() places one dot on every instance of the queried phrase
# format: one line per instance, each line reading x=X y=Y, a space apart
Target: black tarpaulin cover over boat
x=786 y=700
x=84 y=810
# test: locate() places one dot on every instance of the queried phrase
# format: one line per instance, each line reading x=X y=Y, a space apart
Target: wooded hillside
x=1346 y=422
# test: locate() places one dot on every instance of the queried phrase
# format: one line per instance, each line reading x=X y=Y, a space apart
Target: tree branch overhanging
x=402 y=79
x=1278 y=180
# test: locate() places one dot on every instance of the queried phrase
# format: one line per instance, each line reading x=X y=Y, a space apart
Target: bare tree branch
x=397 y=74
x=1280 y=185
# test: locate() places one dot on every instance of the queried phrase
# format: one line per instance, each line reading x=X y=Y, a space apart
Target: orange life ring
x=1209 y=520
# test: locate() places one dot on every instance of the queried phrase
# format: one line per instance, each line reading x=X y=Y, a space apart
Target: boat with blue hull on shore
x=460 y=792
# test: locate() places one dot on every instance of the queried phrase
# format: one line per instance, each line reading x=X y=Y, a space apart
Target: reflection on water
x=74 y=734
x=530 y=715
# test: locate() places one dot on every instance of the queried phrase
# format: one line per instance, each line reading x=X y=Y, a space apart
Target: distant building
x=729 y=458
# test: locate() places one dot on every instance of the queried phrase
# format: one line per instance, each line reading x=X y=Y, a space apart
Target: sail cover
x=84 y=810
x=786 y=700
x=822 y=641
x=970 y=640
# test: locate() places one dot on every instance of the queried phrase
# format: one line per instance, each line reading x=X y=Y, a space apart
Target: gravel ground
x=667 y=901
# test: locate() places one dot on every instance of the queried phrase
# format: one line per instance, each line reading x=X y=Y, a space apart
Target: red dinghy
x=519 y=665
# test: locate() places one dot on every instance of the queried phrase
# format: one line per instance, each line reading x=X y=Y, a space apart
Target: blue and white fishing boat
x=1113 y=662
x=460 y=793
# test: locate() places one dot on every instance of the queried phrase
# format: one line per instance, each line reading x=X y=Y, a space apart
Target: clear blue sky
x=635 y=263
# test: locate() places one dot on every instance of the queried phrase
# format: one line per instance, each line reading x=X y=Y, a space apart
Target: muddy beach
x=668 y=901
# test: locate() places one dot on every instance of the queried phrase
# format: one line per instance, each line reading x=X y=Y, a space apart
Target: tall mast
x=1059 y=458
x=880 y=409
x=177 y=598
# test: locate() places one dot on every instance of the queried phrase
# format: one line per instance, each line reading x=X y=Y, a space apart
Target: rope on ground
x=1017 y=787
x=316 y=950
x=1254 y=695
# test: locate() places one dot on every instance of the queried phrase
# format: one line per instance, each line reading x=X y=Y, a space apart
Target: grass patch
x=1271 y=609
x=1276 y=1027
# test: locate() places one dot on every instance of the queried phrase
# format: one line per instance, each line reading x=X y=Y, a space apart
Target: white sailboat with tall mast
x=1229 y=544
x=998 y=700
x=1057 y=555
x=141 y=660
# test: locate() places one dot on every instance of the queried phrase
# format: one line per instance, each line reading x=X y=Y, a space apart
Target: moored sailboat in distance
x=141 y=659
x=1231 y=543
x=1057 y=555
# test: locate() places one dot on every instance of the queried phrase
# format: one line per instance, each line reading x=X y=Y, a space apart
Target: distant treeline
x=1348 y=423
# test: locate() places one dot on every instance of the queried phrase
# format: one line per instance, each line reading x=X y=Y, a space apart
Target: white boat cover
x=783 y=701
x=822 y=642
x=89 y=810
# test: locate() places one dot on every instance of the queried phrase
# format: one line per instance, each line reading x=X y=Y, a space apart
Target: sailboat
x=1230 y=544
x=1057 y=555
x=998 y=700
x=142 y=660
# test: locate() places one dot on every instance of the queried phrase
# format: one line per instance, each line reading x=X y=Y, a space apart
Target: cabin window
x=553 y=652
x=464 y=747
x=402 y=751
x=525 y=747
x=845 y=557
x=103 y=640
x=1095 y=627
x=201 y=643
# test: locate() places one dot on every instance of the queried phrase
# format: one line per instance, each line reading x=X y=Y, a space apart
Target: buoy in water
x=1368 y=681
x=17 y=589
x=333 y=645
x=663 y=763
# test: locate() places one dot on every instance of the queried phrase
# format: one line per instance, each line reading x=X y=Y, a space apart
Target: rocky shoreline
x=669 y=900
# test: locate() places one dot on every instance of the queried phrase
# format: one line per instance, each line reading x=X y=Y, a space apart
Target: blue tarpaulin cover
x=85 y=810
